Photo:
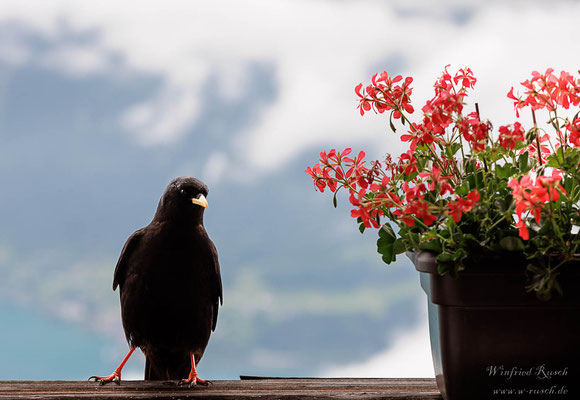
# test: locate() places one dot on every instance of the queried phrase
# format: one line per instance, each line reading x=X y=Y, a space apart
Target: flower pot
x=491 y=339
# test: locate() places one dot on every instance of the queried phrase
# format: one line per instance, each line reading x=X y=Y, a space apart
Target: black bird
x=170 y=286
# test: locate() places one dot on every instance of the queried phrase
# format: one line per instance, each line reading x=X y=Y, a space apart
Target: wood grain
x=257 y=388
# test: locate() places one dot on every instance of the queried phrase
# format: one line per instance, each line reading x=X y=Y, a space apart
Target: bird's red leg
x=116 y=375
x=193 y=378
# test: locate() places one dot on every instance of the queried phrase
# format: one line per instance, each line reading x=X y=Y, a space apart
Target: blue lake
x=35 y=347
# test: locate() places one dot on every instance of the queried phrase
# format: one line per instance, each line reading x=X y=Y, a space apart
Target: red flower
x=364 y=103
x=316 y=173
x=475 y=131
x=364 y=209
x=573 y=129
x=508 y=138
x=419 y=135
x=385 y=93
x=460 y=205
x=518 y=103
x=523 y=230
x=532 y=195
x=473 y=197
x=437 y=181
x=436 y=149
x=416 y=205
x=548 y=91
x=532 y=149
x=407 y=163
x=466 y=77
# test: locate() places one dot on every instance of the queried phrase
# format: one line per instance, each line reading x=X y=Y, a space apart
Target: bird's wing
x=216 y=283
x=130 y=246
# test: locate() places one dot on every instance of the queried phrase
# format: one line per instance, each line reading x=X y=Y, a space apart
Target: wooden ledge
x=268 y=388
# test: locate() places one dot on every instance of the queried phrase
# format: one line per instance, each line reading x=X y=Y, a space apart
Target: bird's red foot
x=116 y=375
x=194 y=380
x=103 y=380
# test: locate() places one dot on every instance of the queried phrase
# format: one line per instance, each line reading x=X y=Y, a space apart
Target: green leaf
x=543 y=281
x=555 y=160
x=443 y=268
x=384 y=246
x=431 y=245
x=385 y=243
x=399 y=246
x=475 y=180
x=459 y=255
x=470 y=166
x=387 y=259
x=386 y=250
x=452 y=149
x=505 y=171
x=523 y=162
x=411 y=177
x=512 y=243
x=469 y=236
x=545 y=229
x=450 y=223
x=361 y=226
x=571 y=158
x=444 y=258
x=462 y=190
x=503 y=204
x=387 y=231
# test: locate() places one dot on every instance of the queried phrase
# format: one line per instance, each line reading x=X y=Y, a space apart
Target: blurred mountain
x=303 y=289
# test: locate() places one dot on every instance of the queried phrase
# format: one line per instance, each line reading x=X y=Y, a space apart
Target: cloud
x=12 y=52
x=216 y=166
x=409 y=356
x=318 y=50
x=78 y=61
x=163 y=119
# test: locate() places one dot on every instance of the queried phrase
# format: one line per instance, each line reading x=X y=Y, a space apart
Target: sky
x=316 y=52
x=274 y=82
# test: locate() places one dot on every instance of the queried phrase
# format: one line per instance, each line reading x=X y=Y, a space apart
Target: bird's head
x=184 y=197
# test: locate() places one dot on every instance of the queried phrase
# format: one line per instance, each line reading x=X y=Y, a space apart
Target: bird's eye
x=183 y=192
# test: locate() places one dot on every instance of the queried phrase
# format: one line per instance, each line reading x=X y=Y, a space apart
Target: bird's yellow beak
x=201 y=201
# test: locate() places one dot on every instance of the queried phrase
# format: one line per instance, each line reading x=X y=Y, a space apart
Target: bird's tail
x=167 y=366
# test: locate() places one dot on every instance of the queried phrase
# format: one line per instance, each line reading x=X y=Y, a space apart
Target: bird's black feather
x=170 y=284
x=131 y=244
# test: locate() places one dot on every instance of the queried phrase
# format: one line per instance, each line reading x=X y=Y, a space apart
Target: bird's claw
x=103 y=380
x=193 y=381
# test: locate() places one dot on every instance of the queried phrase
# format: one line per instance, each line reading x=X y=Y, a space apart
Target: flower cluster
x=531 y=196
x=384 y=94
x=509 y=137
x=461 y=188
x=548 y=91
x=459 y=206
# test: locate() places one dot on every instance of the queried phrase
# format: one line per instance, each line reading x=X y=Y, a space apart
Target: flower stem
x=537 y=137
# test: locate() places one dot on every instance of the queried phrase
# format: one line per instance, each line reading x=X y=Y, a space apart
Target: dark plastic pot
x=490 y=339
